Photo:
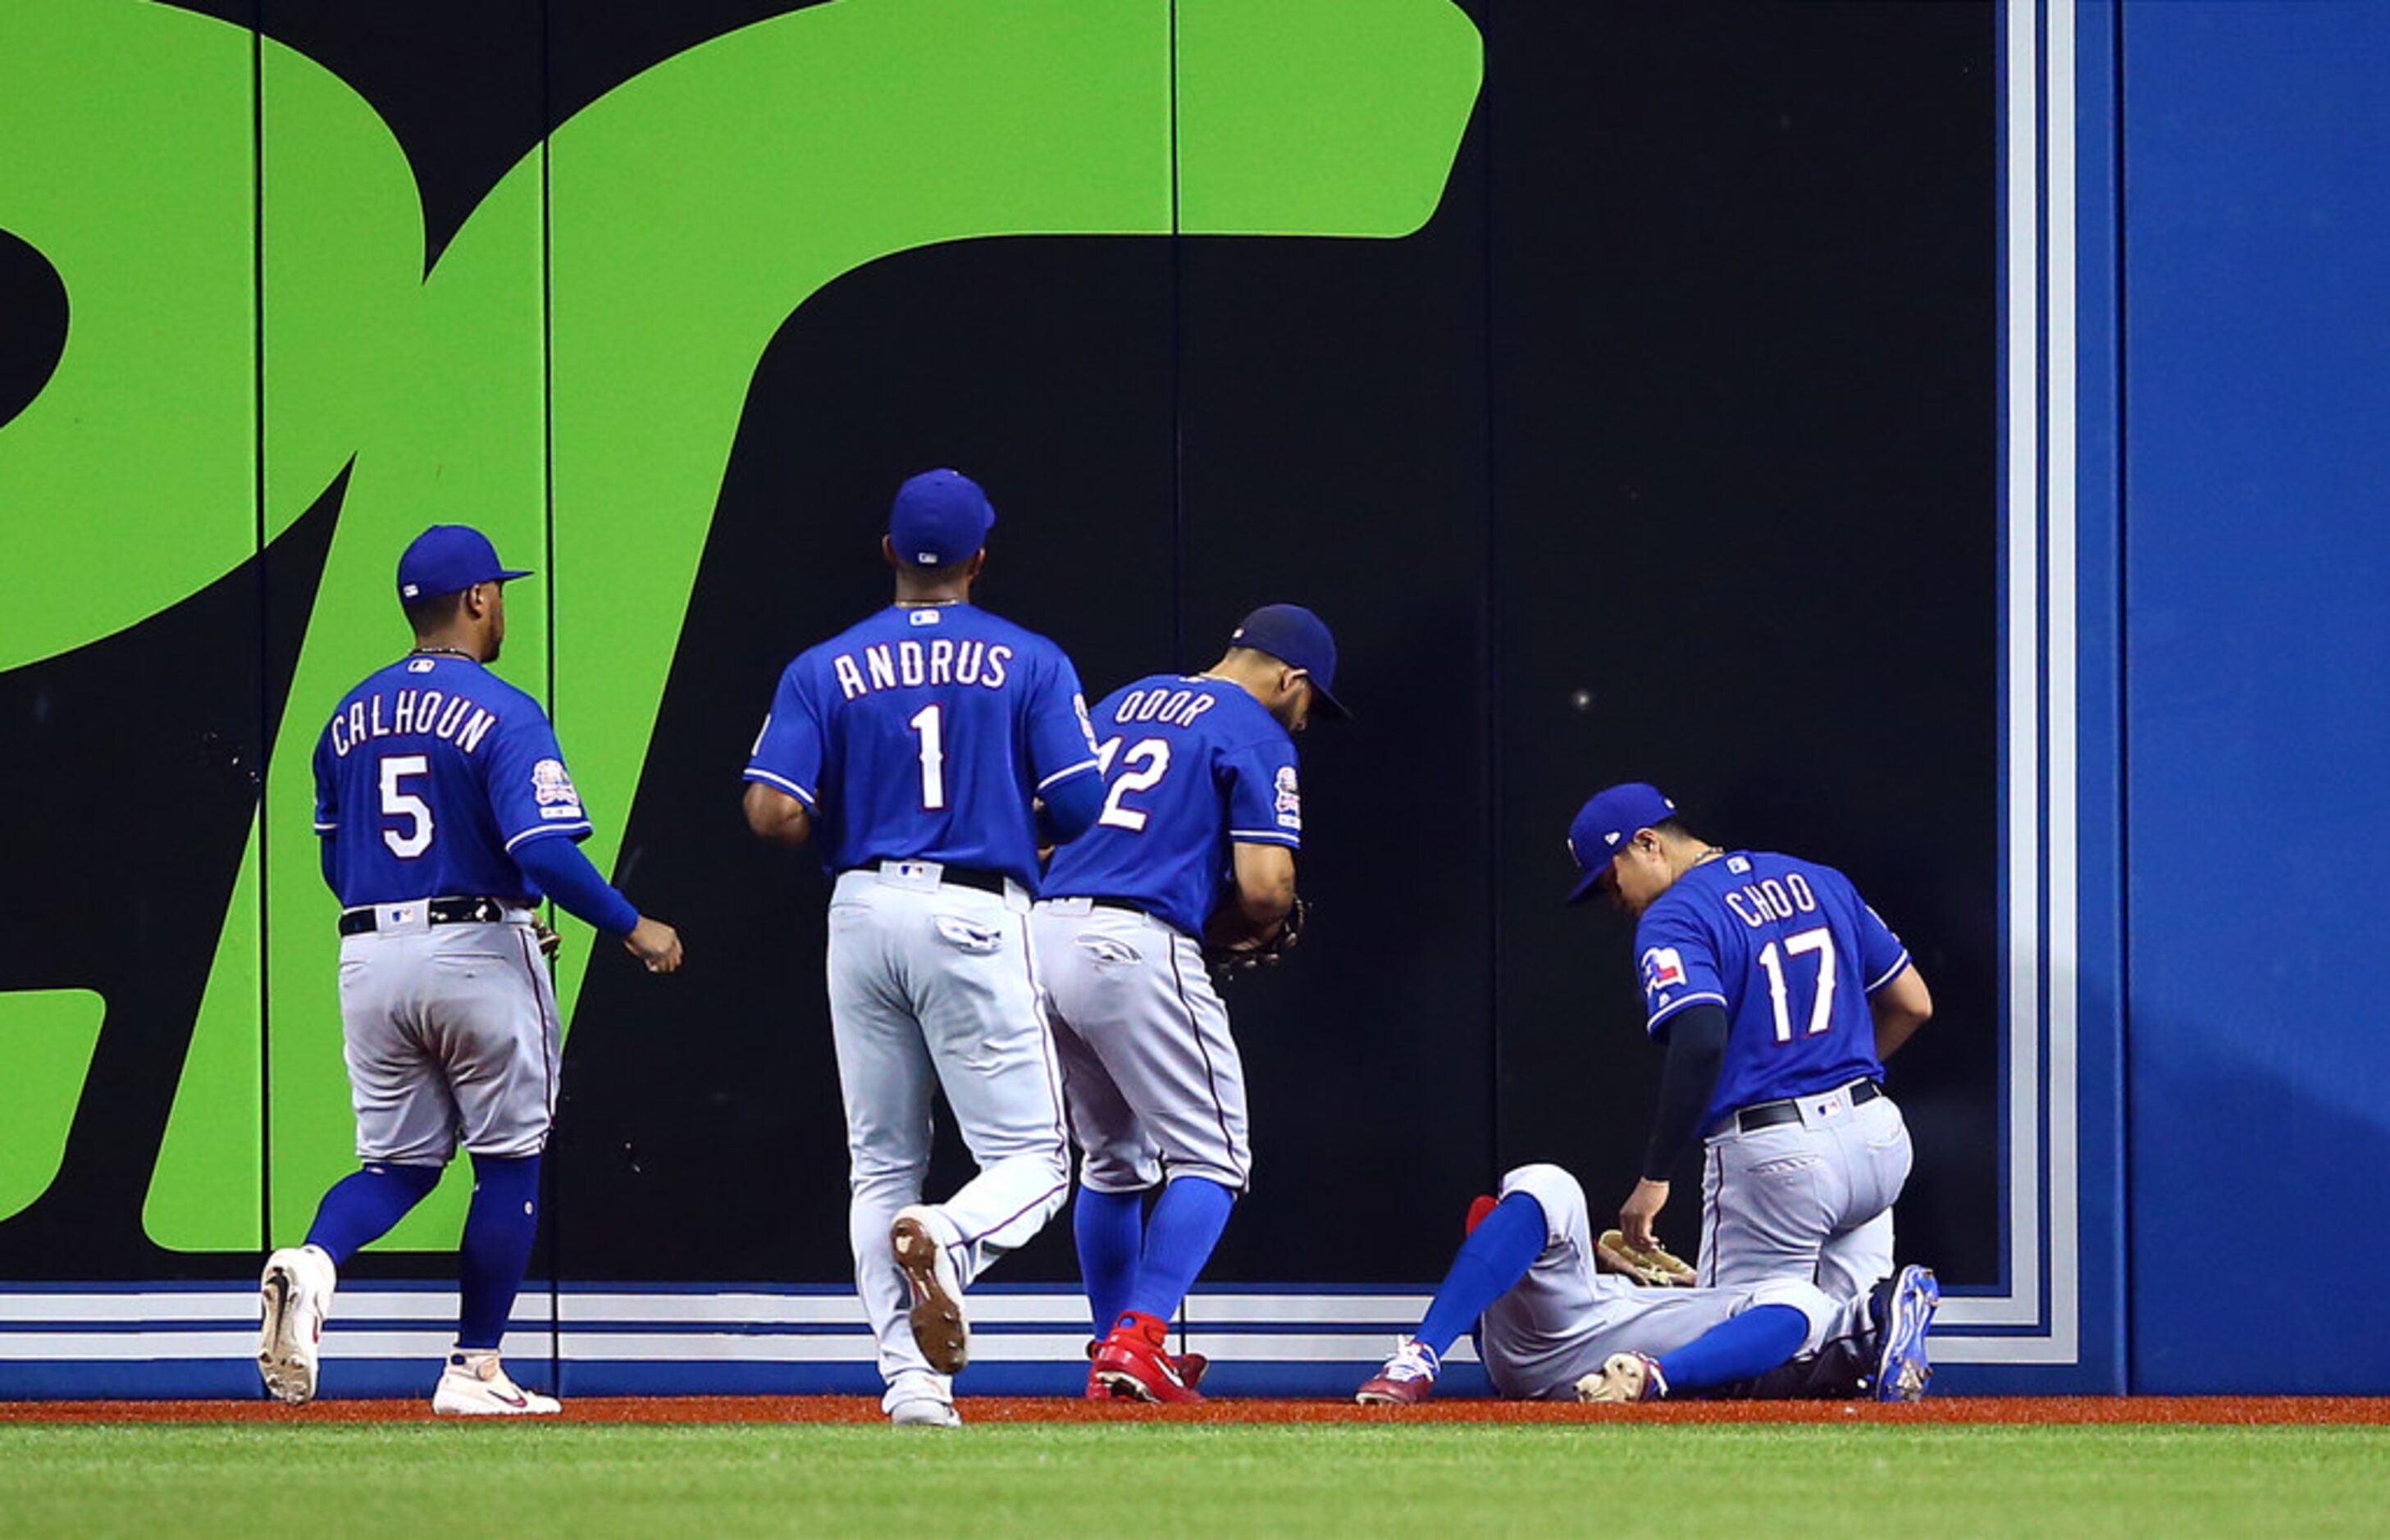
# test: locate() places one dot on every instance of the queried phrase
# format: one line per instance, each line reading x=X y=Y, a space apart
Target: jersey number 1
x=1822 y=1012
x=927 y=722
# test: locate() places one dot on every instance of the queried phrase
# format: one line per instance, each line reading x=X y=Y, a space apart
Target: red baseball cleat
x=1191 y=1370
x=1133 y=1364
x=1407 y=1378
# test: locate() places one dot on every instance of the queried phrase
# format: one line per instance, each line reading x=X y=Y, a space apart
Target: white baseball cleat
x=924 y=1412
x=475 y=1385
x=1624 y=1377
x=294 y=1294
x=940 y=1328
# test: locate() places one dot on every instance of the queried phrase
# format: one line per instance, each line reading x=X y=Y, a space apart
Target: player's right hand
x=654 y=943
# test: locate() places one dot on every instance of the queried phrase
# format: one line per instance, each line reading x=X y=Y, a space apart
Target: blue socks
x=363 y=1206
x=1188 y=1219
x=1109 y=1228
x=1741 y=1348
x=499 y=1232
x=1492 y=1260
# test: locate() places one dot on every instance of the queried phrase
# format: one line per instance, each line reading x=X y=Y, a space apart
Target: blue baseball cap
x=449 y=558
x=938 y=517
x=1604 y=825
x=1297 y=637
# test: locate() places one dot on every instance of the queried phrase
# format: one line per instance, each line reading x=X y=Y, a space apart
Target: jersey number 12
x=1142 y=770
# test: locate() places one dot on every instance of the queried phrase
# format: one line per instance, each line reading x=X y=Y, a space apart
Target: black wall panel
x=704 y=1107
x=1744 y=380
x=1313 y=472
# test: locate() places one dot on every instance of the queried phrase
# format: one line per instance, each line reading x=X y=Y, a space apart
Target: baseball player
x=444 y=812
x=1778 y=992
x=908 y=750
x=1196 y=837
x=1552 y=1326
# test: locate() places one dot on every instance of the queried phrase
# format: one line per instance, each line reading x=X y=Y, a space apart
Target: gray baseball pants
x=451 y=1031
x=933 y=987
x=1153 y=1080
x=1810 y=1199
x=1565 y=1317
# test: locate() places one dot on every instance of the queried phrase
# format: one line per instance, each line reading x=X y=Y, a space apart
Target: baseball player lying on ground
x=1551 y=1326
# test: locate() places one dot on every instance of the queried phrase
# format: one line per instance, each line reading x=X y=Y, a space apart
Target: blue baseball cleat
x=1902 y=1371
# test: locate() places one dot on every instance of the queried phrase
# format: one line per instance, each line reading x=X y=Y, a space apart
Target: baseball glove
x=1228 y=962
x=1653 y=1269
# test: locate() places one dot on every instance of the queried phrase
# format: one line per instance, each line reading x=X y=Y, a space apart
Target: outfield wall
x=1727 y=396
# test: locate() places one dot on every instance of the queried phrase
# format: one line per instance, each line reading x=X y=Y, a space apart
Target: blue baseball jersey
x=1792 y=952
x=921 y=735
x=430 y=773
x=1195 y=765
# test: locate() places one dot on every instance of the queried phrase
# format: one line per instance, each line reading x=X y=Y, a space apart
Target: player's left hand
x=1642 y=1208
x=1244 y=956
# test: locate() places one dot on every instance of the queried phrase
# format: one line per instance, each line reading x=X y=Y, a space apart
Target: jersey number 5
x=399 y=802
x=1152 y=755
x=1821 y=1012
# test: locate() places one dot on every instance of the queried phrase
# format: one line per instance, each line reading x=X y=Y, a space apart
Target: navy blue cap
x=449 y=558
x=938 y=517
x=1606 y=823
x=1297 y=637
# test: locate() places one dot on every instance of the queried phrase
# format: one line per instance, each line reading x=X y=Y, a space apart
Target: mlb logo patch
x=1664 y=967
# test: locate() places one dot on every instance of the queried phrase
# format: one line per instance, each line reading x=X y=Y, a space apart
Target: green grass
x=420 y=1481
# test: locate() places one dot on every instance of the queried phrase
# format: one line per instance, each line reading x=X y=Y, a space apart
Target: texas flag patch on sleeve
x=1664 y=967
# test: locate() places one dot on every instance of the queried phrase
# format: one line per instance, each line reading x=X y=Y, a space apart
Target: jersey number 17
x=1819 y=943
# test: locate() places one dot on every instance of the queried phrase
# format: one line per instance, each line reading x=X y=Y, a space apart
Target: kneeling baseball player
x=1552 y=1325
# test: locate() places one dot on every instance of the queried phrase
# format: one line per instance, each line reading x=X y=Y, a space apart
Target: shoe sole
x=289 y=1379
x=938 y=1329
x=1125 y=1386
x=1903 y=1373
x=454 y=1410
x=1632 y=1390
x=1367 y=1398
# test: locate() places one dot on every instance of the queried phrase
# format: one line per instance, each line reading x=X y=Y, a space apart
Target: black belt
x=1767 y=1114
x=961 y=876
x=440 y=911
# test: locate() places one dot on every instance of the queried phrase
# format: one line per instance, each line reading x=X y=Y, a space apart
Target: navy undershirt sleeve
x=1696 y=1052
x=565 y=875
x=331 y=866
